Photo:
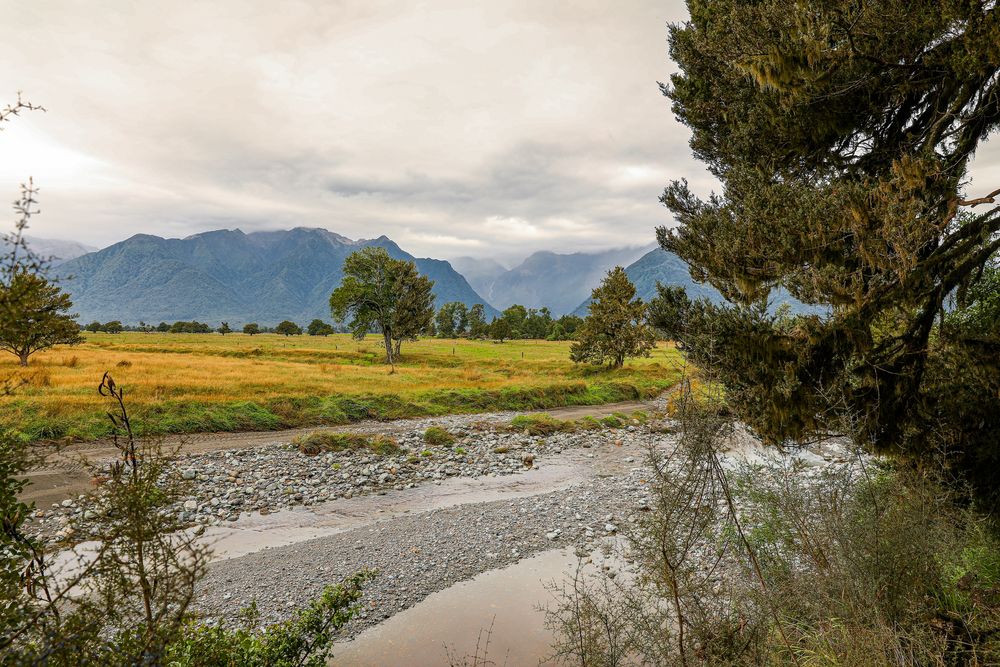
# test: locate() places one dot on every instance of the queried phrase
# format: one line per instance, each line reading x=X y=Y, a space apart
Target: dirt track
x=65 y=476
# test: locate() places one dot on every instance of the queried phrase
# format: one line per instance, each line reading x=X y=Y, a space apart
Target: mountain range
x=556 y=281
x=230 y=275
x=267 y=277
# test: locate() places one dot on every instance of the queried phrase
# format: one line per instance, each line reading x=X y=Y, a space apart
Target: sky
x=489 y=129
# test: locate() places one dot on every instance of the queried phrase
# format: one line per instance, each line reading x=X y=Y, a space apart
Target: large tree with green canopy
x=842 y=133
x=383 y=294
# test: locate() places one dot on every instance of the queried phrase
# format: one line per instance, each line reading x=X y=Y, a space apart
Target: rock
x=190 y=505
x=189 y=474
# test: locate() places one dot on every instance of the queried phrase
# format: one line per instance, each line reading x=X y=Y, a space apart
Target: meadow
x=187 y=383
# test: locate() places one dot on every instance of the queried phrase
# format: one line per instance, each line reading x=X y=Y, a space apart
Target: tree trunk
x=388 y=352
x=23 y=356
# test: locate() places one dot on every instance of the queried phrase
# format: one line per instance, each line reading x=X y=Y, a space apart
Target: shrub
x=318 y=442
x=306 y=639
x=438 y=437
x=542 y=424
x=611 y=421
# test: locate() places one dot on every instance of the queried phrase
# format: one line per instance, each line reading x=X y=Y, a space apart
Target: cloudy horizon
x=491 y=131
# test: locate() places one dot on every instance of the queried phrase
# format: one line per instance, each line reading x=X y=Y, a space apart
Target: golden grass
x=210 y=369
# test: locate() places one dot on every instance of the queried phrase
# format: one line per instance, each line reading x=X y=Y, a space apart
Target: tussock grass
x=438 y=437
x=317 y=443
x=542 y=424
x=186 y=383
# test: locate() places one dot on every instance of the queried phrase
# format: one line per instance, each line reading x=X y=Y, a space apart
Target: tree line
x=379 y=294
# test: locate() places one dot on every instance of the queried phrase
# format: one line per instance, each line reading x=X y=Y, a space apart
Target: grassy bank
x=193 y=383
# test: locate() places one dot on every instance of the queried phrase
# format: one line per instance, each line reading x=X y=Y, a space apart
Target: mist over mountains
x=556 y=281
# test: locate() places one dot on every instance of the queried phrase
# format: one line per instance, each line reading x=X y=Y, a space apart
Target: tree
x=500 y=329
x=319 y=328
x=194 y=327
x=452 y=320
x=569 y=324
x=515 y=316
x=288 y=328
x=94 y=327
x=415 y=308
x=251 y=329
x=478 y=328
x=34 y=315
x=113 y=327
x=616 y=325
x=670 y=311
x=382 y=294
x=537 y=323
x=224 y=328
x=163 y=327
x=842 y=134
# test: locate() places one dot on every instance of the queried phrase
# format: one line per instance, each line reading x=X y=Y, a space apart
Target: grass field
x=185 y=383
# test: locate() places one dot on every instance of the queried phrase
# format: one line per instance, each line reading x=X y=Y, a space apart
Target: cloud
x=488 y=129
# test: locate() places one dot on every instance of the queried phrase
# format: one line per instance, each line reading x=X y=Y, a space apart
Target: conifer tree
x=842 y=134
x=615 y=327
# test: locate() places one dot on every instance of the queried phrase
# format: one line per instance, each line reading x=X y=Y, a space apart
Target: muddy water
x=503 y=606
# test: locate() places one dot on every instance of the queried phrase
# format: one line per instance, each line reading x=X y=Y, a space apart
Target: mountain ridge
x=231 y=275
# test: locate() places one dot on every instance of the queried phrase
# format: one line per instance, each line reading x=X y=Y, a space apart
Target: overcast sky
x=491 y=128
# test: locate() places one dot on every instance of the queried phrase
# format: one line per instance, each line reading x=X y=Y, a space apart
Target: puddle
x=452 y=621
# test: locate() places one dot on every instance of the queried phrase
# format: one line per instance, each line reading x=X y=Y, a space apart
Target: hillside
x=665 y=267
x=228 y=275
x=556 y=281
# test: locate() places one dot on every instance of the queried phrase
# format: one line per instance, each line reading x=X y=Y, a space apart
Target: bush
x=611 y=421
x=773 y=565
x=542 y=424
x=438 y=437
x=589 y=423
x=318 y=442
x=305 y=640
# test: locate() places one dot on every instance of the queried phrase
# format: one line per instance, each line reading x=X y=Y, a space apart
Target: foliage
x=224 y=328
x=541 y=424
x=319 y=328
x=769 y=564
x=452 y=320
x=305 y=640
x=383 y=294
x=615 y=327
x=190 y=327
x=288 y=328
x=34 y=315
x=439 y=437
x=251 y=329
x=478 y=328
x=500 y=329
x=842 y=133
x=328 y=441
